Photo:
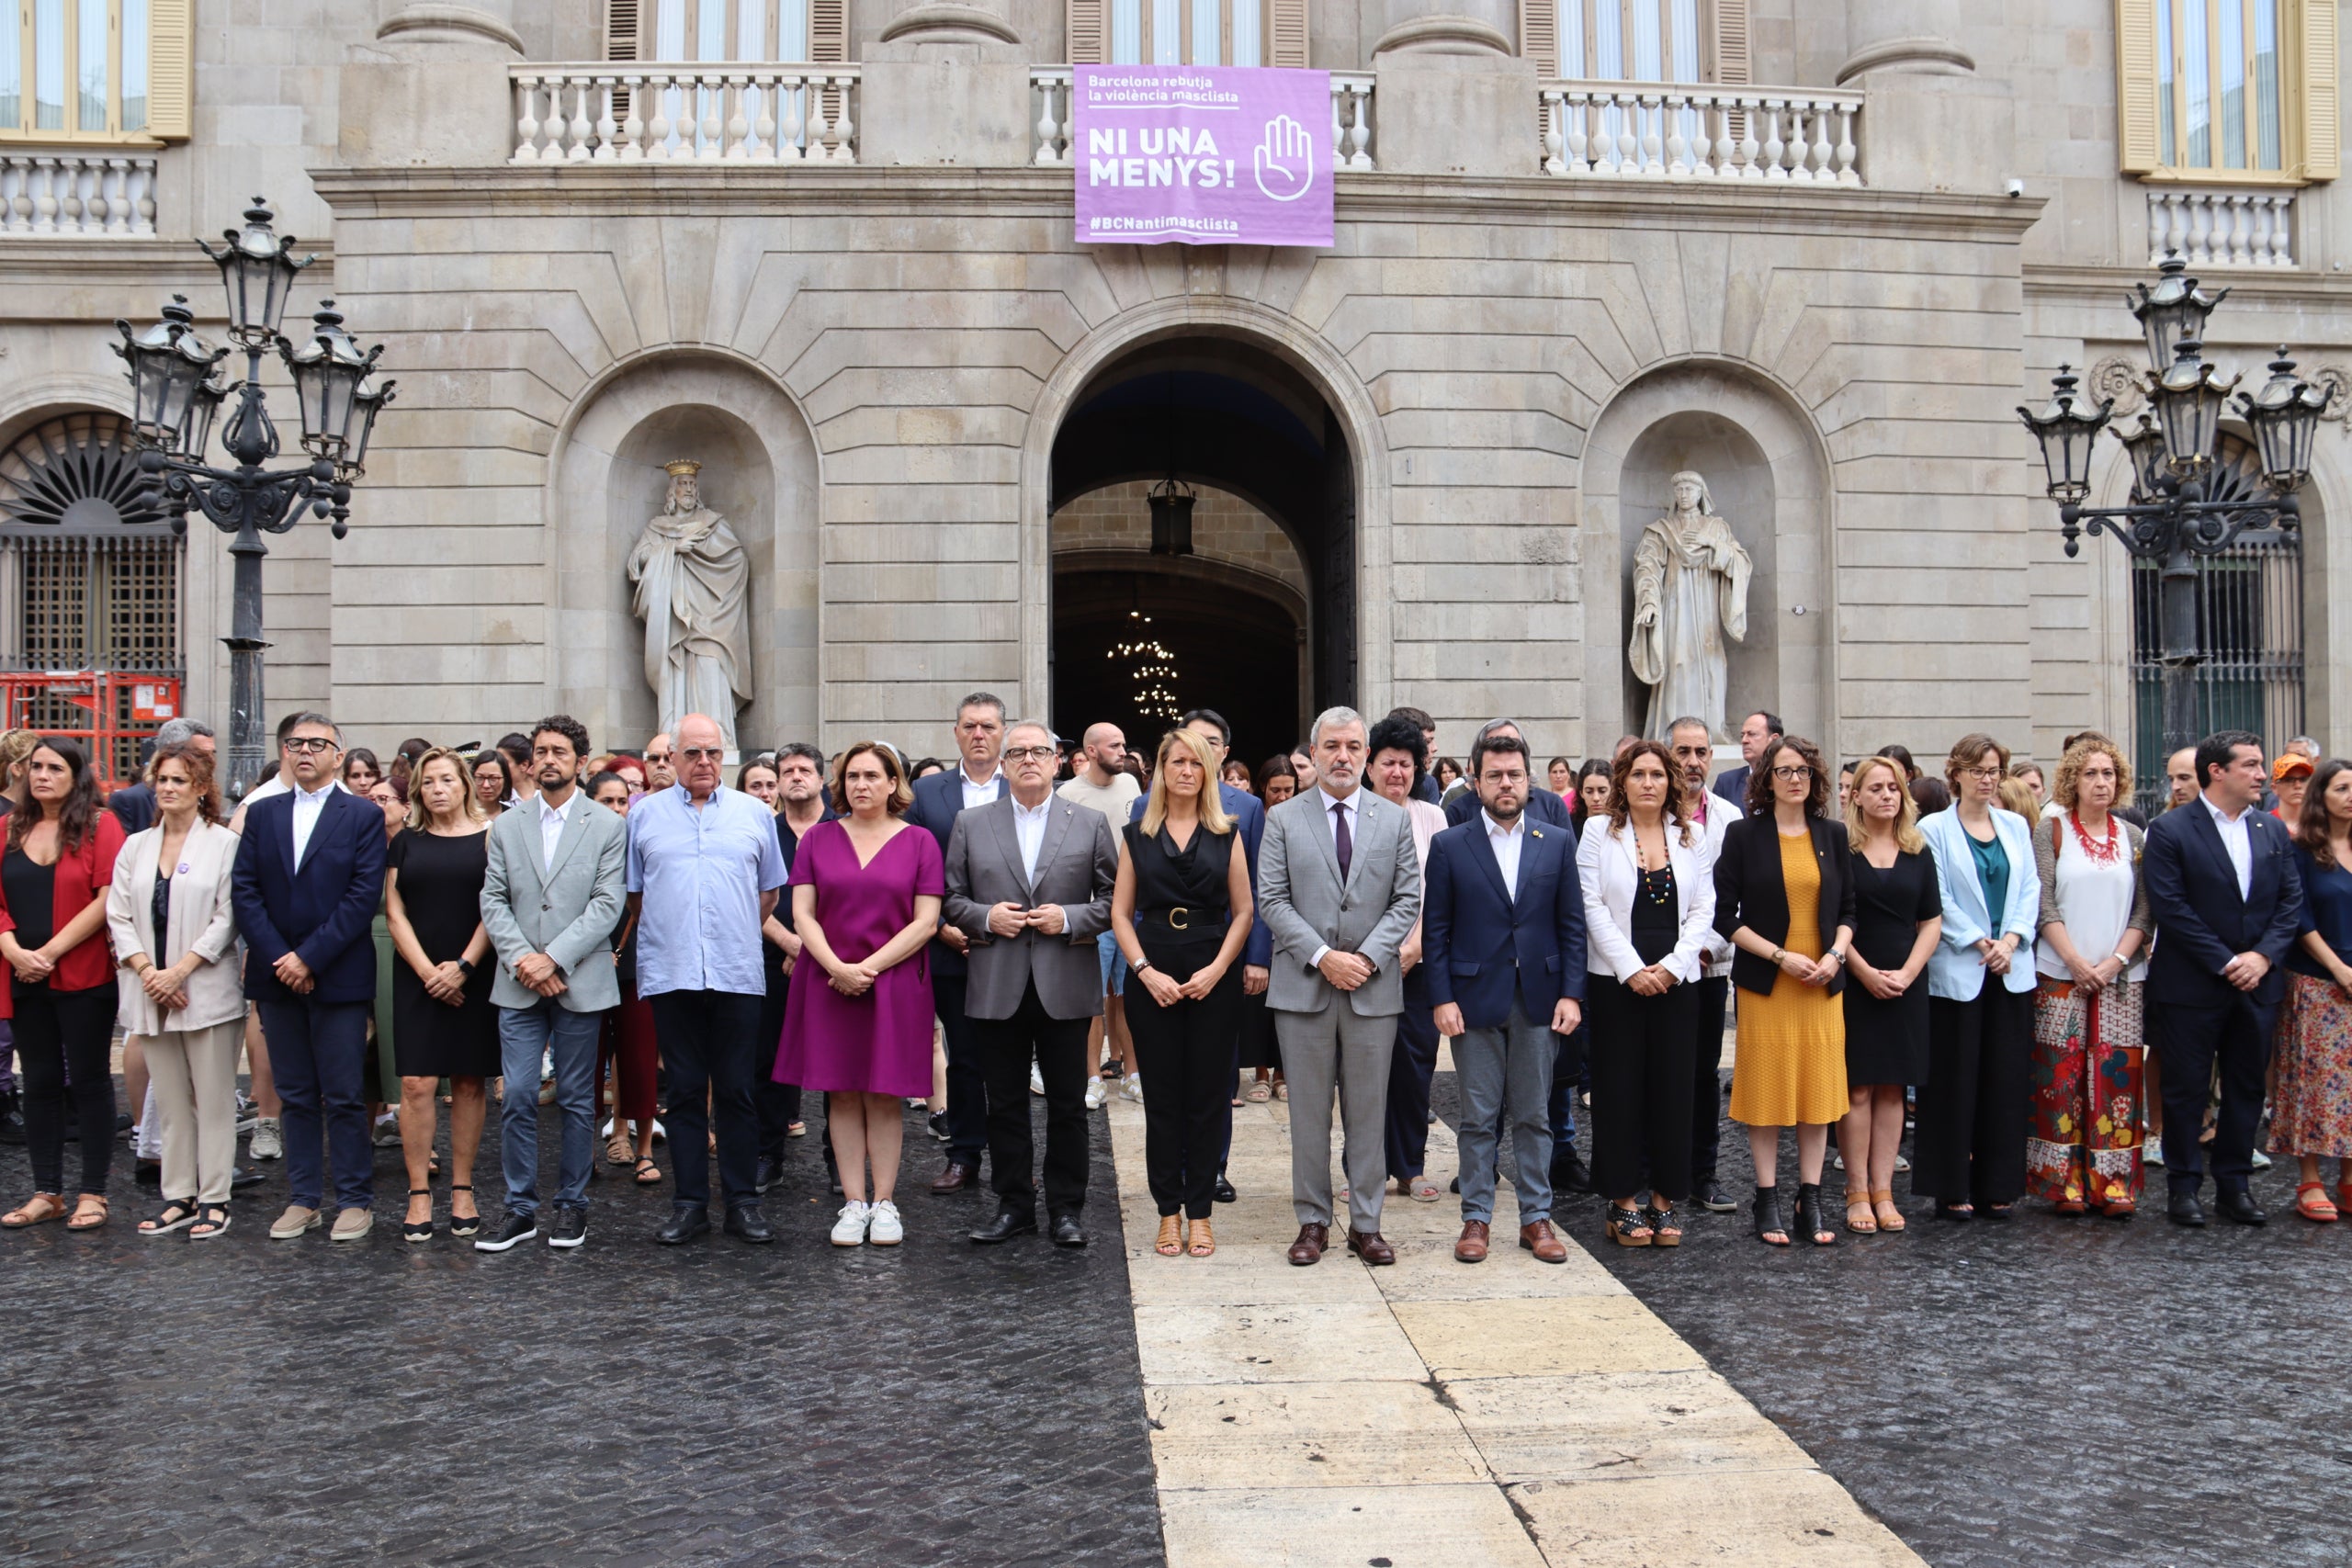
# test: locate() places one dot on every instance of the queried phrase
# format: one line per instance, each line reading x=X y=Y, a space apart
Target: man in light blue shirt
x=703 y=872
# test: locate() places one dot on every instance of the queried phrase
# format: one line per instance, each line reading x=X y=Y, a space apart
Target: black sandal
x=214 y=1223
x=1959 y=1214
x=1626 y=1228
x=1809 y=1216
x=648 y=1173
x=2000 y=1211
x=411 y=1230
x=178 y=1213
x=462 y=1225
x=1768 y=1217
x=1663 y=1232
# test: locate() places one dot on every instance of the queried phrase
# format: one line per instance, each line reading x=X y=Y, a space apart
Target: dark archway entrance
x=1267 y=648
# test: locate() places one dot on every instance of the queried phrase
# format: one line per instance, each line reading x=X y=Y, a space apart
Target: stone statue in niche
x=1690 y=598
x=692 y=581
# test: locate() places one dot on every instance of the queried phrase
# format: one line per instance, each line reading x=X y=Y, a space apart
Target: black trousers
x=2191 y=1041
x=1407 y=1137
x=1186 y=1055
x=710 y=1045
x=62 y=1032
x=1706 y=1075
x=968 y=1087
x=1058 y=1045
x=1970 y=1147
x=777 y=1104
x=1641 y=1088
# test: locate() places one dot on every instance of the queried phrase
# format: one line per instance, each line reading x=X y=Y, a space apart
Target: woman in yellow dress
x=1784 y=898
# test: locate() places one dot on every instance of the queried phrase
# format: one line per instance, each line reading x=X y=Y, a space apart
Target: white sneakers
x=1133 y=1088
x=850 y=1229
x=1097 y=1091
x=268 y=1141
x=883 y=1228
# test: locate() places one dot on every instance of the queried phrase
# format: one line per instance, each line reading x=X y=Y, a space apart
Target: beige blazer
x=200 y=920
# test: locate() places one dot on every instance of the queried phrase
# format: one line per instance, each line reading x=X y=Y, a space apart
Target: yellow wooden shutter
x=171 y=67
x=2137 y=134
x=621 y=30
x=1286 y=33
x=1539 y=35
x=1730 y=66
x=2322 y=107
x=1088 y=29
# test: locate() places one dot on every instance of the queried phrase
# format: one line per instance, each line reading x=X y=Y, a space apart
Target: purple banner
x=1202 y=154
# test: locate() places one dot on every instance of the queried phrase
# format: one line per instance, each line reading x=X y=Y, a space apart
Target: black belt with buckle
x=1176 y=916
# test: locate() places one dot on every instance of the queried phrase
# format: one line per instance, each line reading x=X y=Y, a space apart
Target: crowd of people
x=2018 y=964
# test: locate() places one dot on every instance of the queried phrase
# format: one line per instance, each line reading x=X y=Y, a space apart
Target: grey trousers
x=1505 y=1070
x=1337 y=1049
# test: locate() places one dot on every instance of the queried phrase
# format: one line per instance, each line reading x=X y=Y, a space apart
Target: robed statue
x=692 y=581
x=1690 y=598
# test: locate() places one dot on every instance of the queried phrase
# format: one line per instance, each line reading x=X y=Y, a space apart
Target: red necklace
x=2105 y=851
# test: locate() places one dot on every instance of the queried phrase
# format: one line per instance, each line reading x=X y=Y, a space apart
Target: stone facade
x=1498 y=368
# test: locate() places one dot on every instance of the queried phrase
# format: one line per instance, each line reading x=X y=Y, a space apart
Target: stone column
x=1932 y=123
x=1450 y=94
x=433 y=88
x=947 y=84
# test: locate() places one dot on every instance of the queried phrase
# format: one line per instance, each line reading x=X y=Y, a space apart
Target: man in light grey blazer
x=1339 y=886
x=550 y=899
x=1029 y=879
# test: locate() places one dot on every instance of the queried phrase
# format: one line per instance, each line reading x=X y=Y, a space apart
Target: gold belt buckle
x=1180 y=918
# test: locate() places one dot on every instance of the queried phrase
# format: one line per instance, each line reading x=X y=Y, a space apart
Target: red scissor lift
x=117 y=709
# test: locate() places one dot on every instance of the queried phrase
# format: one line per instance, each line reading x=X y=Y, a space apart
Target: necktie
x=1339 y=840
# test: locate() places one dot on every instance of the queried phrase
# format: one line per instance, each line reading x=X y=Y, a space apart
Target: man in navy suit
x=2228 y=902
x=309 y=875
x=939 y=799
x=1756 y=731
x=1502 y=927
x=1538 y=804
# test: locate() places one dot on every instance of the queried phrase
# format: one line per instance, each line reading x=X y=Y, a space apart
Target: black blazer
x=2202 y=923
x=1542 y=806
x=1749 y=892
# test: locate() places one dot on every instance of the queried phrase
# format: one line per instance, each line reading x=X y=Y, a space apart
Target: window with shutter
x=2227 y=92
x=620 y=30
x=1188 y=32
x=98 y=71
x=1083 y=20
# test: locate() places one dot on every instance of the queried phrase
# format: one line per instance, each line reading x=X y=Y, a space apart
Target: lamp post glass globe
x=257 y=273
x=2189 y=399
x=2143 y=445
x=2174 y=310
x=168 y=362
x=327 y=371
x=2066 y=427
x=2284 y=414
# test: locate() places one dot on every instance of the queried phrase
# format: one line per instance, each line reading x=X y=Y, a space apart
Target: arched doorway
x=1258 y=619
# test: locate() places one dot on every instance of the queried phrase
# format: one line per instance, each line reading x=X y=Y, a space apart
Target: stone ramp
x=1509 y=1414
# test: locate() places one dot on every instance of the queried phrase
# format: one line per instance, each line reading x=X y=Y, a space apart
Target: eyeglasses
x=1022 y=753
x=702 y=753
x=1982 y=776
x=311 y=743
x=1793 y=776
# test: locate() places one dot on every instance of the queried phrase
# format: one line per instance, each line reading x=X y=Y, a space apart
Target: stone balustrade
x=82 y=194
x=1352 y=126
x=1651 y=130
x=2223 y=227
x=730 y=111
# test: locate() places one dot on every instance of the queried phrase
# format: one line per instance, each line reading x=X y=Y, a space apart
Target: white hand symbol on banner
x=1287 y=155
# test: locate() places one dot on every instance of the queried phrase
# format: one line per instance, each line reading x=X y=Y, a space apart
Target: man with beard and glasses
x=1712 y=815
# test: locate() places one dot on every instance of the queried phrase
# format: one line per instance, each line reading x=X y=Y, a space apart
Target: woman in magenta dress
x=865 y=897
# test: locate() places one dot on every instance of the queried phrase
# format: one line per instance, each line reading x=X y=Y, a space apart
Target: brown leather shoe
x=1368 y=1245
x=1308 y=1249
x=1472 y=1247
x=955 y=1178
x=1542 y=1240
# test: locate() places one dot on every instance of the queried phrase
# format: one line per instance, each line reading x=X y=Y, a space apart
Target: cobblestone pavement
x=2048 y=1390
x=258 y=1402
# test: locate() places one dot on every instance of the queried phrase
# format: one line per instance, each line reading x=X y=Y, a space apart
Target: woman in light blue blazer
x=1969 y=1153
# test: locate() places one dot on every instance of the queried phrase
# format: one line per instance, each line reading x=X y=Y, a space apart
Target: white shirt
x=307 y=806
x=1507 y=843
x=1350 y=810
x=1029 y=828
x=2237 y=841
x=978 y=793
x=551 y=821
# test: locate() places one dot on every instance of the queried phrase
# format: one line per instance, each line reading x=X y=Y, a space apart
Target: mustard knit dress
x=1791 y=1068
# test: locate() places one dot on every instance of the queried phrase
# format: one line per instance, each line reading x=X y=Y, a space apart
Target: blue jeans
x=317 y=1049
x=523 y=1035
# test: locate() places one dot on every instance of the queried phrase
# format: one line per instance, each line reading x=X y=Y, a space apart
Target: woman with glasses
x=1968 y=1155
x=1784 y=899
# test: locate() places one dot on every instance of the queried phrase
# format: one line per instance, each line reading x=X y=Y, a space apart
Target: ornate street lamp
x=2175 y=452
x=175 y=399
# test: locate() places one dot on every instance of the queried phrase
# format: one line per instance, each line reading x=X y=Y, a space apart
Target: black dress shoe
x=2238 y=1205
x=1712 y=1199
x=1067 y=1231
x=956 y=1177
x=1011 y=1220
x=746 y=1223
x=1568 y=1174
x=244 y=1175
x=1225 y=1192
x=771 y=1172
x=687 y=1220
x=2184 y=1209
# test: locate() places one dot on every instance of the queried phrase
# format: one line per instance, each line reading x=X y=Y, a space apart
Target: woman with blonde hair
x=1181 y=911
x=1898 y=916
x=2083 y=1138
x=444 y=1025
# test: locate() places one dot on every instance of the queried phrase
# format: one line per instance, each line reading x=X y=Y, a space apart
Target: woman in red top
x=55 y=874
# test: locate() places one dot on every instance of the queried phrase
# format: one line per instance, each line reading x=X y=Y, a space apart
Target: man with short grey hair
x=134 y=805
x=1340 y=889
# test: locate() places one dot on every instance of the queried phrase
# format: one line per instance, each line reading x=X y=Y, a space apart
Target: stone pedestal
x=955 y=76
x=433 y=88
x=1932 y=123
x=1453 y=98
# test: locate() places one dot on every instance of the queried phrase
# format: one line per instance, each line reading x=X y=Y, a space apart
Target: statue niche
x=691 y=583
x=1690 y=598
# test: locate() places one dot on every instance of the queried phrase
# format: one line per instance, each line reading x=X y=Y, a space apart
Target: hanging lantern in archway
x=1171 y=517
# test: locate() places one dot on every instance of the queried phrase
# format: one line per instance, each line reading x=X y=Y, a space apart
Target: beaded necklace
x=2104 y=853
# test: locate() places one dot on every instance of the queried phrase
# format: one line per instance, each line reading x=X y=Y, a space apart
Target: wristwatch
x=466 y=967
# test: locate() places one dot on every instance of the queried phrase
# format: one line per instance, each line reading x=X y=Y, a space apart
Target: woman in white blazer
x=175 y=939
x=1649 y=910
x=1969 y=1151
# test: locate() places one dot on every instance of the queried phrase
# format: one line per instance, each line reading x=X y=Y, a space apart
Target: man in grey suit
x=1339 y=887
x=1029 y=879
x=549 y=901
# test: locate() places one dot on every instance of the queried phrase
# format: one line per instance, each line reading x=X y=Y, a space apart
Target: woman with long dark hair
x=54 y=876
x=2312 y=1108
x=493 y=782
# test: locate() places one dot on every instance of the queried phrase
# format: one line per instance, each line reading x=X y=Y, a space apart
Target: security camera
x=2015 y=187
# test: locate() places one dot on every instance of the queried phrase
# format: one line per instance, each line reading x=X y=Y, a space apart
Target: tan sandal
x=1858 y=1218
x=1169 y=1242
x=39 y=1209
x=620 y=1149
x=89 y=1212
x=1201 y=1243
x=1890 y=1218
